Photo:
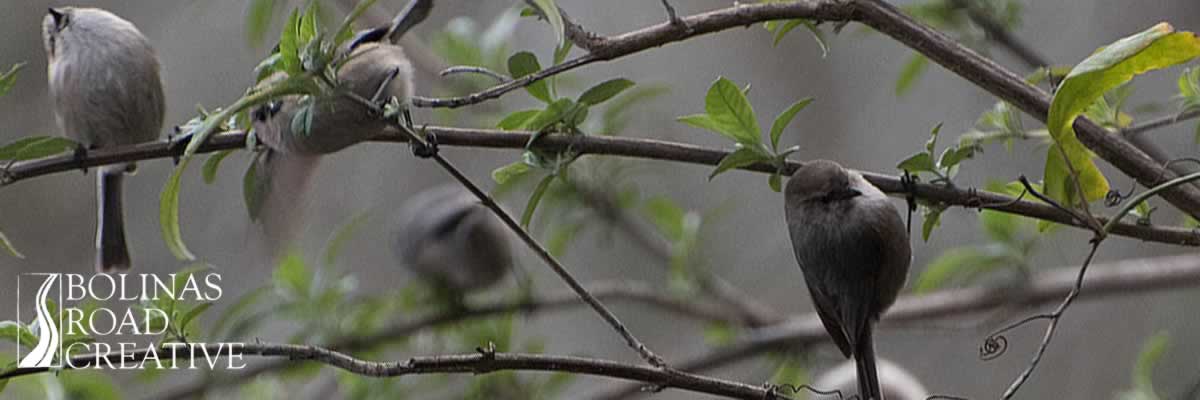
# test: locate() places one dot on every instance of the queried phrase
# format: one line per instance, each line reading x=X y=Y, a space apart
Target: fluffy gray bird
x=337 y=122
x=447 y=237
x=853 y=248
x=895 y=382
x=104 y=81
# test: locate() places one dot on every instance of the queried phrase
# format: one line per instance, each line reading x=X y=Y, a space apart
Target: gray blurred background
x=857 y=120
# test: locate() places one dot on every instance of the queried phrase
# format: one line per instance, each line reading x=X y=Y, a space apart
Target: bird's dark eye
x=839 y=195
x=266 y=111
x=61 y=19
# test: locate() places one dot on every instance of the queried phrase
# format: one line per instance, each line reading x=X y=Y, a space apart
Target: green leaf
x=1155 y=48
x=523 y=64
x=666 y=215
x=554 y=113
x=192 y=314
x=952 y=156
x=8 y=79
x=309 y=23
x=561 y=236
x=911 y=72
x=737 y=159
x=168 y=213
x=236 y=310
x=728 y=107
x=517 y=120
x=36 y=147
x=720 y=333
x=289 y=44
x=785 y=118
x=333 y=247
x=508 y=172
x=1152 y=351
x=933 y=219
x=791 y=371
x=604 y=91
x=267 y=67
x=209 y=171
x=1189 y=83
x=292 y=277
x=917 y=163
x=17 y=332
x=254 y=186
x=959 y=263
x=817 y=35
x=550 y=10
x=704 y=121
x=534 y=199
x=258 y=19
x=775 y=181
x=781 y=31
x=8 y=246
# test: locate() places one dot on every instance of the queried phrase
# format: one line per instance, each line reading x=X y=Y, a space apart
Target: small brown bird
x=107 y=92
x=854 y=251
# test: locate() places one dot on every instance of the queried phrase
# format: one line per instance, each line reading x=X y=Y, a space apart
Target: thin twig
x=645 y=352
x=469 y=69
x=753 y=312
x=482 y=362
x=658 y=35
x=613 y=146
x=633 y=291
x=1055 y=318
x=1160 y=122
x=1120 y=278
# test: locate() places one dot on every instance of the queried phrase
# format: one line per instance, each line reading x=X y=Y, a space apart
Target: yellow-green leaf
x=8 y=79
x=728 y=107
x=1155 y=48
x=785 y=118
x=8 y=246
x=549 y=9
x=740 y=158
x=168 y=213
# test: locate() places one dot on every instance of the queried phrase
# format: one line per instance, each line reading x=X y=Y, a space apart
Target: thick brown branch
x=632 y=291
x=1120 y=278
x=751 y=311
x=618 y=146
x=479 y=363
x=659 y=35
x=1008 y=86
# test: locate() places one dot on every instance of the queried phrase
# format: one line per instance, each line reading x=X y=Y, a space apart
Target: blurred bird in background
x=448 y=238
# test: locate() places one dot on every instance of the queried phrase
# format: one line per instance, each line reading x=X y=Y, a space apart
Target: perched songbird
x=374 y=70
x=447 y=237
x=895 y=382
x=104 y=81
x=853 y=248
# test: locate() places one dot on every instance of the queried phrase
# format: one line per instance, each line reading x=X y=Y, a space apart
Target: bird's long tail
x=279 y=198
x=112 y=255
x=864 y=359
